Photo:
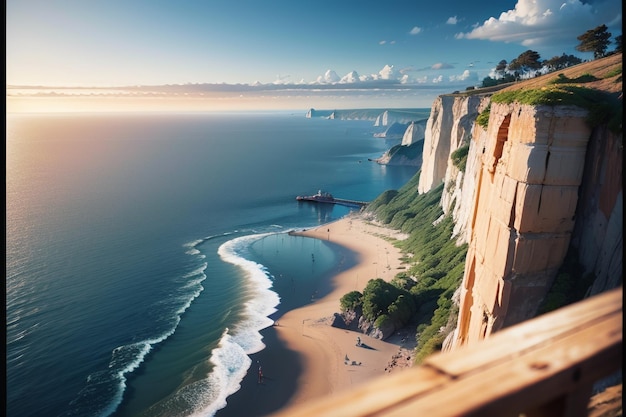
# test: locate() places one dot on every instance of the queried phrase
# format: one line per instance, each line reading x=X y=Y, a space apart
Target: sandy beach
x=332 y=362
x=305 y=356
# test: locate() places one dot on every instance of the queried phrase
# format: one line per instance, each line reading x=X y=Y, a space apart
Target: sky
x=202 y=55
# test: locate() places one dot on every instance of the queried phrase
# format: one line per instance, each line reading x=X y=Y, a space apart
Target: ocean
x=147 y=255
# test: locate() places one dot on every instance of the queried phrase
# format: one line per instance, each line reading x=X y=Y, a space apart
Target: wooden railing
x=543 y=367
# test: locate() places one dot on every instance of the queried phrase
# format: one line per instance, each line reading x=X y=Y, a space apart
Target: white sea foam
x=209 y=395
x=231 y=358
x=192 y=247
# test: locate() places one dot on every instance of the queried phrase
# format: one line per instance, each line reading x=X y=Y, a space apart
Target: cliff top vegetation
x=604 y=74
x=595 y=86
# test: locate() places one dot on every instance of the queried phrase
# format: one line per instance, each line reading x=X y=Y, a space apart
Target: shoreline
x=305 y=357
x=331 y=361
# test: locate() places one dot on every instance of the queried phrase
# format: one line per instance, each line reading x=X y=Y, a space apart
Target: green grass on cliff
x=459 y=157
x=603 y=108
x=437 y=264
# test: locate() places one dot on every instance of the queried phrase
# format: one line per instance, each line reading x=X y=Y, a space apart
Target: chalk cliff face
x=537 y=179
x=449 y=126
x=409 y=155
x=389 y=117
x=523 y=214
x=414 y=133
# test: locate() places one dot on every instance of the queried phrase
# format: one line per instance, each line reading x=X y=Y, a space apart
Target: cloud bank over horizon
x=388 y=78
x=398 y=51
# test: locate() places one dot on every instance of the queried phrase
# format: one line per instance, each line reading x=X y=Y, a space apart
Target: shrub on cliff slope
x=436 y=268
x=459 y=157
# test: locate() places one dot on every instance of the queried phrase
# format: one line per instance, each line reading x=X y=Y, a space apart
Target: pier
x=350 y=203
x=324 y=197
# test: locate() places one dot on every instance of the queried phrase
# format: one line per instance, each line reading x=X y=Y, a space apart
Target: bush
x=378 y=295
x=459 y=157
x=350 y=301
x=382 y=322
x=483 y=118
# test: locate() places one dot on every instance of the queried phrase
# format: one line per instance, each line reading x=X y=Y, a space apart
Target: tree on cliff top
x=560 y=62
x=618 y=43
x=529 y=60
x=595 y=40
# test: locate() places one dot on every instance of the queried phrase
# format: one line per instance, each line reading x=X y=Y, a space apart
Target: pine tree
x=595 y=40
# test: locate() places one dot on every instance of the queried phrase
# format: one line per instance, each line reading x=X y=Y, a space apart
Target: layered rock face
x=522 y=220
x=538 y=181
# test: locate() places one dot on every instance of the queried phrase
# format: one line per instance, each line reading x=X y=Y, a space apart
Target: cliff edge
x=538 y=180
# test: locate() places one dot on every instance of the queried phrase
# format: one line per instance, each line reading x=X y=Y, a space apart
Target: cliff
x=406 y=155
x=414 y=132
x=409 y=151
x=395 y=130
x=449 y=125
x=537 y=182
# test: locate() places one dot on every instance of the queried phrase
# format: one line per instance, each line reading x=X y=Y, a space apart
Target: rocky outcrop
x=414 y=132
x=409 y=152
x=410 y=155
x=355 y=321
x=389 y=117
x=394 y=131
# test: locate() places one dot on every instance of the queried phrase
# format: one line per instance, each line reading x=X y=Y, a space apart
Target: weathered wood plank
x=530 y=380
x=543 y=330
x=542 y=366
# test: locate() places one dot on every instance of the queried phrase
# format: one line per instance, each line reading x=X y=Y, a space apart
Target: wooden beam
x=543 y=366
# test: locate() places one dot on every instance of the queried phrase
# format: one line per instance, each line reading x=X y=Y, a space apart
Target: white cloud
x=350 y=78
x=438 y=79
x=415 y=30
x=281 y=79
x=536 y=23
x=465 y=76
x=440 y=66
x=329 y=77
x=387 y=73
x=452 y=20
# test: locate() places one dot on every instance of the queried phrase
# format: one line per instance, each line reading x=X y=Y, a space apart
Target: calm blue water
x=146 y=252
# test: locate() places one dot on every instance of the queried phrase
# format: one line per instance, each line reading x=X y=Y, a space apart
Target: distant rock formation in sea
x=381 y=117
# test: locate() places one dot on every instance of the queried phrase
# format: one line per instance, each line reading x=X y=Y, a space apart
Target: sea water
x=146 y=252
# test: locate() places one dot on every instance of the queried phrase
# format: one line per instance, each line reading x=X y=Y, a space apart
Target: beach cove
x=140 y=272
x=316 y=359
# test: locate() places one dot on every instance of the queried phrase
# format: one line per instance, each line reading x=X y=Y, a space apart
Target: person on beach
x=260 y=373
